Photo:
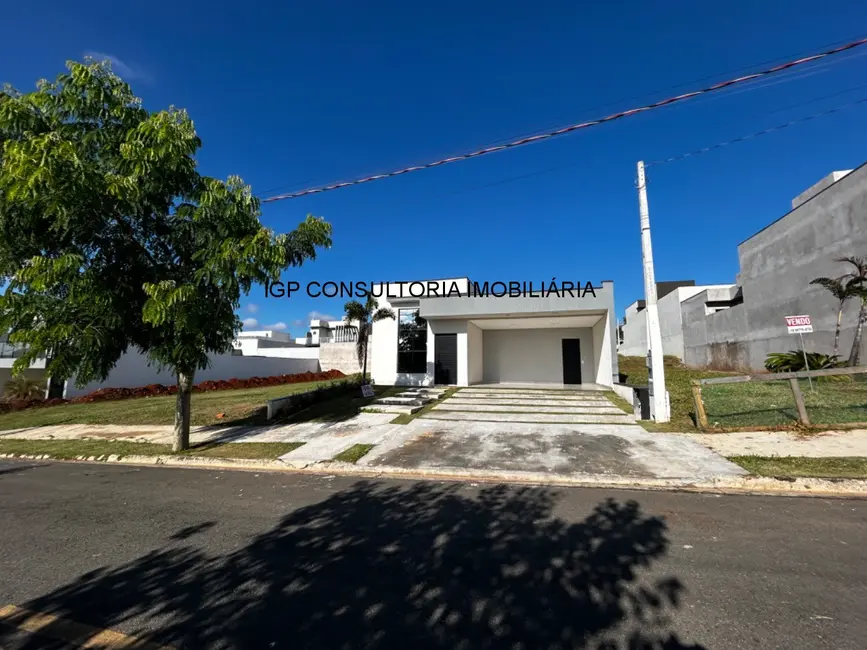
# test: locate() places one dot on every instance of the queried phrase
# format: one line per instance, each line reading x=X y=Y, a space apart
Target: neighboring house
x=464 y=340
x=734 y=326
x=332 y=343
x=739 y=325
x=670 y=297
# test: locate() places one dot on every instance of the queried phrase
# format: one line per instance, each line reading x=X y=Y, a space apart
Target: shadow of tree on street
x=409 y=566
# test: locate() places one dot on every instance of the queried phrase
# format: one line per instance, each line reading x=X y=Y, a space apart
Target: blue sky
x=289 y=95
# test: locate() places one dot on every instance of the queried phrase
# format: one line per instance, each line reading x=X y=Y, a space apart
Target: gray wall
x=778 y=263
x=342 y=357
x=776 y=267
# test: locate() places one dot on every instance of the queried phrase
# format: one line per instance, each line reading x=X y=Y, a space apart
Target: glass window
x=411 y=342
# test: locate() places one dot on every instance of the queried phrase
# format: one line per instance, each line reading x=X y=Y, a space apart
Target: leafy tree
x=856 y=279
x=842 y=291
x=112 y=240
x=365 y=315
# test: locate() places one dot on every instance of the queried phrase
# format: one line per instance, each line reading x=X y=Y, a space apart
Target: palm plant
x=842 y=291
x=23 y=387
x=857 y=280
x=365 y=315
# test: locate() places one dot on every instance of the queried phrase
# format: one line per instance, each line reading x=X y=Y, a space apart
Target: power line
x=575 y=127
x=779 y=127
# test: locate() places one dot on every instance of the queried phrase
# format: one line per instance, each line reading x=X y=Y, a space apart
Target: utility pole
x=659 y=405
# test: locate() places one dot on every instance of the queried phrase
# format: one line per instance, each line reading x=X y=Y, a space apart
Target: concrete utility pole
x=659 y=405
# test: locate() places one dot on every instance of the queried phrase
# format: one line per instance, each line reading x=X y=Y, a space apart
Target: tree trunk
x=837 y=331
x=855 y=355
x=364 y=361
x=182 y=412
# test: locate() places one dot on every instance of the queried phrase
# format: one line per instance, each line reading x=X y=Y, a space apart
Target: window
x=411 y=342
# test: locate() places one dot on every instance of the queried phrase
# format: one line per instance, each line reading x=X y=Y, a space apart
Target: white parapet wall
x=132 y=370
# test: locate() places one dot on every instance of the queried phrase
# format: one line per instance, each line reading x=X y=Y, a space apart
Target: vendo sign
x=799 y=324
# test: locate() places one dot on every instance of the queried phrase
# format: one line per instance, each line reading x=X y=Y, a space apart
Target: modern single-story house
x=448 y=332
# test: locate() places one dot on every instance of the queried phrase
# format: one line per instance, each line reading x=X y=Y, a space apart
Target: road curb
x=724 y=485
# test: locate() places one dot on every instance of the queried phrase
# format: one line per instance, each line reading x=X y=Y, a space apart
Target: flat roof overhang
x=476 y=307
x=550 y=321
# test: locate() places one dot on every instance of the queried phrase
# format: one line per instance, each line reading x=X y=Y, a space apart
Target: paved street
x=212 y=559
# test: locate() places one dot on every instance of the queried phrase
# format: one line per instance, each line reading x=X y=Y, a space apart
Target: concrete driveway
x=542 y=434
x=605 y=453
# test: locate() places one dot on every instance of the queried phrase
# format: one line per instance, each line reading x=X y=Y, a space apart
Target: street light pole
x=659 y=405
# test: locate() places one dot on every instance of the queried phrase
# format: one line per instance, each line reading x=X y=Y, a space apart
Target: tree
x=842 y=291
x=365 y=315
x=856 y=279
x=111 y=239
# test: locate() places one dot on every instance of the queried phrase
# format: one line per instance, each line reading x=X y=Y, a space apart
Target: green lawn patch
x=352 y=454
x=71 y=449
x=678 y=380
x=619 y=402
x=406 y=418
x=802 y=467
x=239 y=406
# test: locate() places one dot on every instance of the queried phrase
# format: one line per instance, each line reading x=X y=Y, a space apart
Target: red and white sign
x=799 y=324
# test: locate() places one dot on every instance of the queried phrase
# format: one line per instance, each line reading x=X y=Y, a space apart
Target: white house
x=446 y=333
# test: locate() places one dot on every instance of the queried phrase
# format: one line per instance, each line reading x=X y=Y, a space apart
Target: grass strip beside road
x=353 y=454
x=72 y=449
x=803 y=467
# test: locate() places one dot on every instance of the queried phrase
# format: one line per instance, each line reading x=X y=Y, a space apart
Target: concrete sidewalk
x=823 y=444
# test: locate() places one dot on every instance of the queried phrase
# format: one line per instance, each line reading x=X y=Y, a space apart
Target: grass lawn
x=70 y=449
x=352 y=454
x=794 y=466
x=772 y=403
x=238 y=406
x=677 y=380
x=751 y=404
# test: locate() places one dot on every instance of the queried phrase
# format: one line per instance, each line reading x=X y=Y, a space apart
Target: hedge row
x=154 y=390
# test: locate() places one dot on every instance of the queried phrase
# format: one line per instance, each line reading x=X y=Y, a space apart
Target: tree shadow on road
x=409 y=566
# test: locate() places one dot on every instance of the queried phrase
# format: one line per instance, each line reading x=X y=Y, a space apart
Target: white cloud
x=250 y=322
x=252 y=308
x=298 y=323
x=128 y=71
x=318 y=315
x=275 y=326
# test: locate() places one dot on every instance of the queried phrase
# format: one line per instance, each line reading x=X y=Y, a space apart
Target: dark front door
x=571 y=361
x=445 y=358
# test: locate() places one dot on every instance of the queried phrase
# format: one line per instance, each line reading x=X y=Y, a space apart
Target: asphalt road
x=213 y=559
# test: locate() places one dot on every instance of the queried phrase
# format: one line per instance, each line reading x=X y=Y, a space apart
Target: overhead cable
x=575 y=127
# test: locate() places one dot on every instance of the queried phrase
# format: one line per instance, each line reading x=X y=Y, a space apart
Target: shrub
x=21 y=387
x=793 y=361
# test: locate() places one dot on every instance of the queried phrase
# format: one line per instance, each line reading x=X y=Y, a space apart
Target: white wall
x=475 y=354
x=535 y=355
x=132 y=370
x=602 y=351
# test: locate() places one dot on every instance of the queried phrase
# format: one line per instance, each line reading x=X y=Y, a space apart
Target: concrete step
x=400 y=400
x=579 y=418
x=392 y=408
x=449 y=405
